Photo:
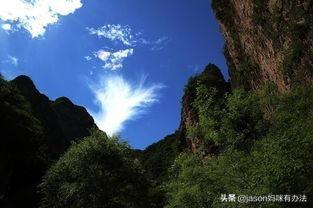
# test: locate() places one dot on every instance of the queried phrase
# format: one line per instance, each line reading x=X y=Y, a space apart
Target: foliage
x=242 y=121
x=158 y=157
x=224 y=119
x=208 y=109
x=206 y=100
x=187 y=187
x=97 y=172
x=261 y=155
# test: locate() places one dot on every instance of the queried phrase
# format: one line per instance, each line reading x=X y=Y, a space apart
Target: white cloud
x=113 y=60
x=114 y=33
x=11 y=60
x=10 y=73
x=88 y=58
x=36 y=15
x=127 y=36
x=120 y=101
x=6 y=27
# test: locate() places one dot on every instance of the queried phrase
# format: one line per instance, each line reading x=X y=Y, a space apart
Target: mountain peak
x=64 y=101
x=24 y=81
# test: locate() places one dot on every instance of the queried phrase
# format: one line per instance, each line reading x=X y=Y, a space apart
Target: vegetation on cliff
x=263 y=142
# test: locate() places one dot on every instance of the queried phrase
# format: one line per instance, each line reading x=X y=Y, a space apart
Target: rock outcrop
x=267 y=41
x=211 y=77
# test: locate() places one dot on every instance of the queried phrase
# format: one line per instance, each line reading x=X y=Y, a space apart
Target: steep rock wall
x=267 y=41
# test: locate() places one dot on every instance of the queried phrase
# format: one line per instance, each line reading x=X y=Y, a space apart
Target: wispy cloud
x=120 y=101
x=113 y=60
x=126 y=35
x=158 y=44
x=114 y=33
x=35 y=15
x=12 y=60
x=7 y=70
x=88 y=58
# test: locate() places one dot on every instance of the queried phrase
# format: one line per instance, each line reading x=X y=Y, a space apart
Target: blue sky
x=131 y=58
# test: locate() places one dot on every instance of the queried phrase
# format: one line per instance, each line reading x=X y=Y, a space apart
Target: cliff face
x=267 y=41
x=34 y=132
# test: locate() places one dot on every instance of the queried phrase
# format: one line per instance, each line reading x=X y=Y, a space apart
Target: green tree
x=97 y=172
x=243 y=120
x=284 y=159
x=187 y=187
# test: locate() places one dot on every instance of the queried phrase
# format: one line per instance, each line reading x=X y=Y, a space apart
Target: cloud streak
x=12 y=60
x=126 y=36
x=35 y=15
x=120 y=101
x=157 y=44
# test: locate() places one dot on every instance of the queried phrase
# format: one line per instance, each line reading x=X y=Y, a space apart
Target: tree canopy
x=96 y=172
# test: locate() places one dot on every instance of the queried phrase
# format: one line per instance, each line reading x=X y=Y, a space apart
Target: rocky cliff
x=211 y=77
x=267 y=41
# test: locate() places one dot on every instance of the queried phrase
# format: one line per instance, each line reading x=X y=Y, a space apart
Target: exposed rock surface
x=267 y=41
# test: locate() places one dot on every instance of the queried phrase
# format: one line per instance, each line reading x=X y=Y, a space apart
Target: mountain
x=263 y=113
x=158 y=157
x=35 y=131
x=267 y=41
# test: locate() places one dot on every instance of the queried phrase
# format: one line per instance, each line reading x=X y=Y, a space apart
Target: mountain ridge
x=36 y=131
